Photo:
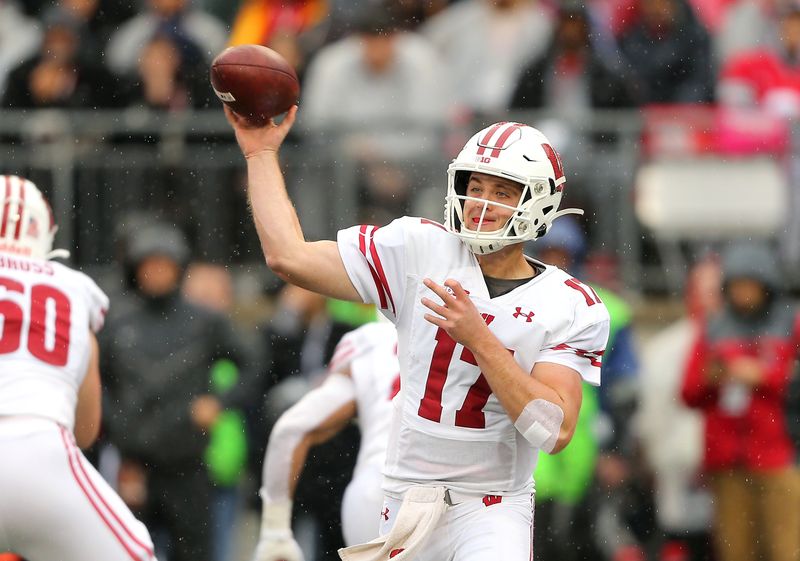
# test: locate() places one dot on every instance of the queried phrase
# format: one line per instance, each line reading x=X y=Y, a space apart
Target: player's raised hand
x=277 y=546
x=254 y=139
x=456 y=314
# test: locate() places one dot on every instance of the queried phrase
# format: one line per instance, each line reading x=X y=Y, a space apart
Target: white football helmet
x=26 y=220
x=522 y=154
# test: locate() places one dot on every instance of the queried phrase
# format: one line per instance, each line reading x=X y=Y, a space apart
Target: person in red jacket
x=737 y=376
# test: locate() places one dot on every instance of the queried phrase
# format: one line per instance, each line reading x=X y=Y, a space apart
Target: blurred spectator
x=745 y=25
x=93 y=23
x=571 y=77
x=376 y=81
x=211 y=286
x=158 y=409
x=383 y=93
x=224 y=10
x=169 y=77
x=19 y=37
x=497 y=36
x=767 y=77
x=616 y=501
x=260 y=21
x=409 y=14
x=57 y=77
x=190 y=26
x=737 y=376
x=674 y=455
x=294 y=29
x=668 y=53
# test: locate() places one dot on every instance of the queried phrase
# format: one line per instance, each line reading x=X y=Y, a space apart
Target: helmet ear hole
x=552 y=185
x=547 y=209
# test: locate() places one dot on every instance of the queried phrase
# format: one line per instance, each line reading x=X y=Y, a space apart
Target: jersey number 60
x=42 y=297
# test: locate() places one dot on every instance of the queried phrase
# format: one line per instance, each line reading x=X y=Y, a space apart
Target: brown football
x=254 y=81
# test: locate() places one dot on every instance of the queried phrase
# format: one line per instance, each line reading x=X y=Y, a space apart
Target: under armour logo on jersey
x=489 y=500
x=396 y=552
x=527 y=315
x=385 y=513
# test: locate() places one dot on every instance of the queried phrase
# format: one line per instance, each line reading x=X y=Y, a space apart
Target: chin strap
x=58 y=253
x=564 y=212
x=559 y=214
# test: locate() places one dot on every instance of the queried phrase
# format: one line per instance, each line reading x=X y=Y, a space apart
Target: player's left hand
x=278 y=546
x=457 y=314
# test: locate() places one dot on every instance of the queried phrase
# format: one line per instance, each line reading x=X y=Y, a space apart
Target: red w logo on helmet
x=558 y=167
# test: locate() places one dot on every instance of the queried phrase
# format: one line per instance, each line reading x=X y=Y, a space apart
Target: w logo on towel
x=490 y=500
x=395 y=552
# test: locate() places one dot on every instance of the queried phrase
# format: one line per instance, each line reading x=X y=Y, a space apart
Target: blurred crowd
x=688 y=451
x=565 y=56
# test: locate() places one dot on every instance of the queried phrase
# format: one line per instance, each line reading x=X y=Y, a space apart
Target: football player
x=493 y=345
x=54 y=505
x=363 y=378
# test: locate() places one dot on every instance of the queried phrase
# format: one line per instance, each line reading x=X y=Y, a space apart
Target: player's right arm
x=88 y=409
x=316 y=266
x=315 y=419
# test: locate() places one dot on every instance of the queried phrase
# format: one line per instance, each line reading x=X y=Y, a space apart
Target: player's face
x=494 y=190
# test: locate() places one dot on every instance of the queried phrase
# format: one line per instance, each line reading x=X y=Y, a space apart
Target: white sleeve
x=582 y=351
x=302 y=418
x=350 y=347
x=375 y=260
x=97 y=303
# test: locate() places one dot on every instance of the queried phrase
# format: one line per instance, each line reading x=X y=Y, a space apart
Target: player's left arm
x=544 y=404
x=316 y=418
x=89 y=409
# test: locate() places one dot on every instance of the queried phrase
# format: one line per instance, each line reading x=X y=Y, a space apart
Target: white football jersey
x=46 y=312
x=370 y=353
x=448 y=428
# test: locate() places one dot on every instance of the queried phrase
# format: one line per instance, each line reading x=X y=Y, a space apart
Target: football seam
x=258 y=66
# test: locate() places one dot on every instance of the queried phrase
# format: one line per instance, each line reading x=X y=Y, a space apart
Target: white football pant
x=361 y=506
x=479 y=529
x=55 y=506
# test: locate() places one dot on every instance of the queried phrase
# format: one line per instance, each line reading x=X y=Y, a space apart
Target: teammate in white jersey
x=53 y=503
x=493 y=345
x=364 y=375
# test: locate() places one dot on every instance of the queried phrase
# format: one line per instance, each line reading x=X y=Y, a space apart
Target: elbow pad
x=540 y=423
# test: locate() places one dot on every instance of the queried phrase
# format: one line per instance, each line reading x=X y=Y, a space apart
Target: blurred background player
x=55 y=505
x=300 y=338
x=363 y=378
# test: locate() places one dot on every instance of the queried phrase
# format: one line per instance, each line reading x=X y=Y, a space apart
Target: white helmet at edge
x=26 y=222
x=522 y=154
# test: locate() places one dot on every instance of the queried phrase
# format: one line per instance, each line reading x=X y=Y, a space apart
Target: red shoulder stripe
x=362 y=246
